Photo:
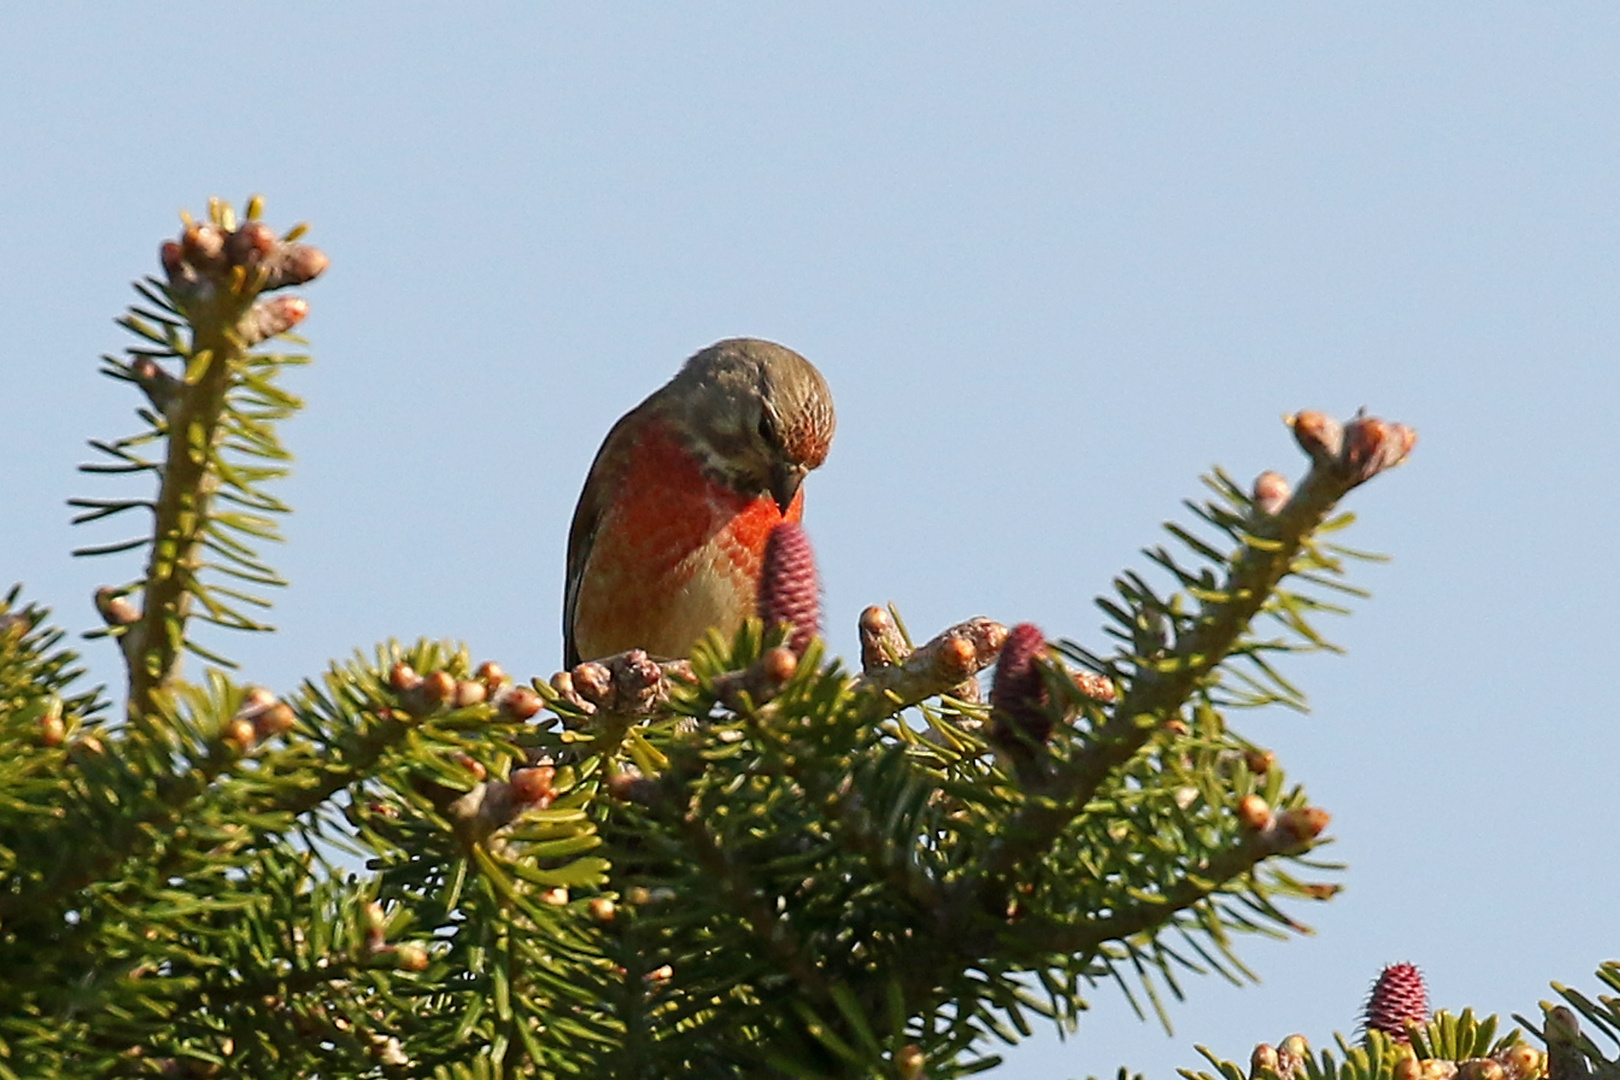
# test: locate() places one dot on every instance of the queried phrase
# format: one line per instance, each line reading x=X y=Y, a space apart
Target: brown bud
x=173 y=258
x=202 y=244
x=1304 y=822
x=1408 y=1068
x=909 y=1061
x=518 y=702
x=238 y=734
x=881 y=643
x=1263 y=1061
x=492 y=676
x=409 y=956
x=956 y=657
x=438 y=687
x=472 y=765
x=1296 y=1045
x=1271 y=492
x=1318 y=434
x=1521 y=1060
x=602 y=909
x=277 y=718
x=532 y=786
x=557 y=897
x=778 y=664
x=469 y=693
x=293 y=264
x=250 y=243
x=1096 y=687
x=1259 y=762
x=1177 y=727
x=271 y=316
x=1253 y=812
x=662 y=973
x=403 y=678
x=52 y=731
x=594 y=683
x=1480 y=1069
x=1372 y=445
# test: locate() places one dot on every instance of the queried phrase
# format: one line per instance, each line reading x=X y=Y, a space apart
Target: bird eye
x=767 y=427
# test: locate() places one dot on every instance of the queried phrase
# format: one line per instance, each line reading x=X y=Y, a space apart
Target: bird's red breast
x=673 y=553
x=669 y=536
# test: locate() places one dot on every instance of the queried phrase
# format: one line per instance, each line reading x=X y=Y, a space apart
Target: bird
x=669 y=535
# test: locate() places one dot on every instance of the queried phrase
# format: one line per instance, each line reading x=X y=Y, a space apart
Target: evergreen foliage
x=756 y=864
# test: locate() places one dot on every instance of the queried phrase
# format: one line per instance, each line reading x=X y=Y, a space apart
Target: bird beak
x=785 y=481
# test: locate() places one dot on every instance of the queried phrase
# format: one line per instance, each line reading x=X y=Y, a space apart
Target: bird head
x=757 y=415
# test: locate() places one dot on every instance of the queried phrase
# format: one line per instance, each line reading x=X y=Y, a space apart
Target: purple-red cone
x=1398 y=998
x=789 y=591
x=1019 y=701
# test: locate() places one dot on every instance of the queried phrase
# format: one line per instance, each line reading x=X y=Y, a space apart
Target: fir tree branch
x=1341 y=461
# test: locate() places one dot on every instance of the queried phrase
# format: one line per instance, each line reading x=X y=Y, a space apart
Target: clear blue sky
x=1054 y=259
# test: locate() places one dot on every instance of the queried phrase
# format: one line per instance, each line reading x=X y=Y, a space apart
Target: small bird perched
x=669 y=534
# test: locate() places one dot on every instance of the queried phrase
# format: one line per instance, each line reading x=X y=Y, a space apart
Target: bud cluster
x=1358 y=450
x=1291 y=830
x=262 y=716
x=213 y=256
x=628 y=683
x=424 y=695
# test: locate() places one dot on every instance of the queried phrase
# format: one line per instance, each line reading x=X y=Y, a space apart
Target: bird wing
x=593 y=502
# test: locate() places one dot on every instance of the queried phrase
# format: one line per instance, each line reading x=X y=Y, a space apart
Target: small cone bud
x=602 y=909
x=518 y=702
x=472 y=765
x=594 y=683
x=52 y=731
x=1096 y=687
x=1295 y=1045
x=532 y=786
x=1253 y=812
x=1408 y=1068
x=437 y=688
x=492 y=676
x=910 y=1061
x=662 y=973
x=250 y=243
x=239 y=734
x=1480 y=1069
x=1259 y=761
x=409 y=956
x=1521 y=1060
x=1318 y=434
x=293 y=264
x=1398 y=998
x=272 y=316
x=1018 y=694
x=557 y=897
x=1303 y=823
x=1271 y=492
x=956 y=657
x=789 y=592
x=1263 y=1062
x=470 y=692
x=881 y=643
x=202 y=244
x=274 y=719
x=403 y=678
x=778 y=664
x=1372 y=445
x=173 y=259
